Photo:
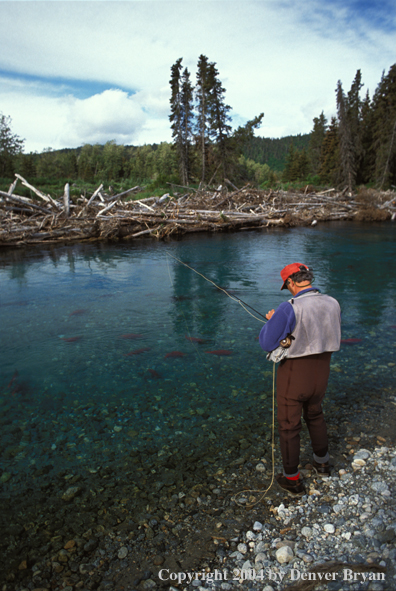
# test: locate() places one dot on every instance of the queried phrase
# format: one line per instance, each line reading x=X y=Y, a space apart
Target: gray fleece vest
x=318 y=325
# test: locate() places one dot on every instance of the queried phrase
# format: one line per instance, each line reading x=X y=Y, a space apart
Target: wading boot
x=322 y=470
x=294 y=488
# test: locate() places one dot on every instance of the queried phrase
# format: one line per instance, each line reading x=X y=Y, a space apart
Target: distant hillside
x=274 y=151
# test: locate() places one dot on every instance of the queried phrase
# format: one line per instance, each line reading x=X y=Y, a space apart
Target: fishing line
x=244 y=492
x=241 y=302
x=188 y=330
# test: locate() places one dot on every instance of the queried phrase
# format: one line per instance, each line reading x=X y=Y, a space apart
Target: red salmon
x=350 y=341
x=195 y=339
x=220 y=352
x=78 y=312
x=174 y=354
x=137 y=351
x=71 y=339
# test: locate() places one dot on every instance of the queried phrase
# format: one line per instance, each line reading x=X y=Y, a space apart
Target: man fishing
x=309 y=327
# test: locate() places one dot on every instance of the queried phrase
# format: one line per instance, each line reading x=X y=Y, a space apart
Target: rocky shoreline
x=194 y=528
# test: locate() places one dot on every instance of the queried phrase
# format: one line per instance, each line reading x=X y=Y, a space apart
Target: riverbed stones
x=284 y=555
x=104 y=511
x=306 y=532
x=70 y=493
x=362 y=454
x=122 y=553
x=329 y=528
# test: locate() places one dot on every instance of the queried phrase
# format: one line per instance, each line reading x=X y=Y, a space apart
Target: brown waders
x=301 y=386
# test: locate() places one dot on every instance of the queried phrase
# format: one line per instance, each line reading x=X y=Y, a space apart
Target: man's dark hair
x=302 y=275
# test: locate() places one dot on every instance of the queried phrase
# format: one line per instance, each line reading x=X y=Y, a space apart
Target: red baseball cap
x=290 y=270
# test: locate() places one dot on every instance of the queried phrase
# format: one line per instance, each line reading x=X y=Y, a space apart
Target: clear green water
x=72 y=394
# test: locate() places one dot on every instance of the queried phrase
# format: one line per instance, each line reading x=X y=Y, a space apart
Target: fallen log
x=90 y=200
x=104 y=217
x=23 y=201
x=46 y=198
x=66 y=200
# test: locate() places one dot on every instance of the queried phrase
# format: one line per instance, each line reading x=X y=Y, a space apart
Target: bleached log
x=149 y=231
x=324 y=192
x=147 y=200
x=90 y=200
x=12 y=187
x=66 y=199
x=144 y=205
x=231 y=184
x=23 y=200
x=388 y=203
x=26 y=200
x=19 y=229
x=102 y=211
x=126 y=192
x=46 y=198
x=94 y=194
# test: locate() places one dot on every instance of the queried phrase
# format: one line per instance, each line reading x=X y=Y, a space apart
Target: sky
x=78 y=72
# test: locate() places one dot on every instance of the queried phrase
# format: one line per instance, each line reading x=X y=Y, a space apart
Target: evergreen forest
x=356 y=147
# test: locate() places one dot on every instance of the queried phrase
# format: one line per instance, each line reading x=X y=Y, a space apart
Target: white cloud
x=282 y=57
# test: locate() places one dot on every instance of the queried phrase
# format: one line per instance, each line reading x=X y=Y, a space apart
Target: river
x=109 y=350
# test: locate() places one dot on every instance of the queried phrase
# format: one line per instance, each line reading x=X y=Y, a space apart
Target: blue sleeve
x=281 y=324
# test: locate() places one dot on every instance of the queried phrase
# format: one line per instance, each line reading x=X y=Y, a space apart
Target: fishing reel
x=286 y=342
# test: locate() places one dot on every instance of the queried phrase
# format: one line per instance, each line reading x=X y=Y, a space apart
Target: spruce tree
x=316 y=140
x=181 y=117
x=384 y=129
x=218 y=117
x=329 y=170
x=201 y=92
x=354 y=117
x=367 y=164
x=347 y=153
x=292 y=167
x=187 y=125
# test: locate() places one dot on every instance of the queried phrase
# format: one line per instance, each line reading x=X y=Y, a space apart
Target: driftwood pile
x=44 y=220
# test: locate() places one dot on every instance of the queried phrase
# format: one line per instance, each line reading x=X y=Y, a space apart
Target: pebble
x=260 y=557
x=260 y=468
x=284 y=554
x=70 y=493
x=307 y=532
x=329 y=528
x=122 y=553
x=362 y=454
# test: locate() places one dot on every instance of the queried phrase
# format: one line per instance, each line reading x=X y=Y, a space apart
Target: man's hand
x=270 y=314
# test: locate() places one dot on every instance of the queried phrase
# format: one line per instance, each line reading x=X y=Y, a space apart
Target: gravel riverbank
x=193 y=535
